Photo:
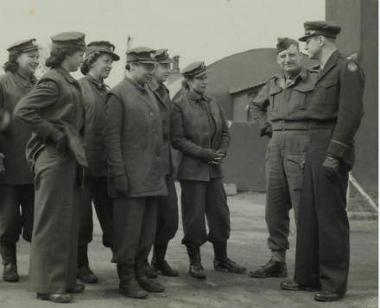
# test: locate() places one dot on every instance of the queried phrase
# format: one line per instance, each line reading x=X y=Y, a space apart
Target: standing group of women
x=85 y=144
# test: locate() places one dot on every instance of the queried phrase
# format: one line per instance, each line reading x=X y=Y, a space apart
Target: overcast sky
x=194 y=29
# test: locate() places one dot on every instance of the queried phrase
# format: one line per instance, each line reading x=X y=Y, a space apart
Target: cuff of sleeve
x=336 y=148
x=56 y=135
x=2 y=156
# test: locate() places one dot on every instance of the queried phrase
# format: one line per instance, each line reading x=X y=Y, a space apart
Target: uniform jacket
x=134 y=140
x=338 y=97
x=94 y=100
x=14 y=138
x=54 y=107
x=279 y=101
x=198 y=126
x=162 y=95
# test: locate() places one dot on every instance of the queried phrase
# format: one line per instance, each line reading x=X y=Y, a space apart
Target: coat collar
x=331 y=62
x=100 y=85
x=138 y=86
x=23 y=81
x=196 y=97
x=281 y=79
x=66 y=75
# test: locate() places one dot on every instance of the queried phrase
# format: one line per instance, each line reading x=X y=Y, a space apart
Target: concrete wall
x=359 y=21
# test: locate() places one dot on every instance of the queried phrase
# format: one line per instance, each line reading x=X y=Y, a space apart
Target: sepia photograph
x=189 y=153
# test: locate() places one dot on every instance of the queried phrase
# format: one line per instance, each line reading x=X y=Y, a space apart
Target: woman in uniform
x=200 y=133
x=54 y=111
x=96 y=67
x=16 y=181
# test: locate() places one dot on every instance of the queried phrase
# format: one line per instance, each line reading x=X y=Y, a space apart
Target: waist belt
x=302 y=125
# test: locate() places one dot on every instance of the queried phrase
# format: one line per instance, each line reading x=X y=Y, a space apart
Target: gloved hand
x=331 y=166
x=2 y=166
x=121 y=185
x=62 y=144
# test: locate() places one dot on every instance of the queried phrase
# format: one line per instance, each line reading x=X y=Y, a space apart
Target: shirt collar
x=99 y=84
x=25 y=81
x=285 y=83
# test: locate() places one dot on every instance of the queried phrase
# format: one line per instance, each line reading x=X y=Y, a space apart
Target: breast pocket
x=274 y=100
x=300 y=98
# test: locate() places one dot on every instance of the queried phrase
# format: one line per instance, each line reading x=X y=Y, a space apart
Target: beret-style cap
x=284 y=43
x=195 y=69
x=162 y=56
x=24 y=46
x=313 y=28
x=68 y=39
x=141 y=55
x=102 y=47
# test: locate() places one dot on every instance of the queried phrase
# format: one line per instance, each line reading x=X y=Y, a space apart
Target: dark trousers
x=134 y=229
x=284 y=172
x=16 y=212
x=323 y=249
x=53 y=256
x=95 y=191
x=200 y=200
x=167 y=214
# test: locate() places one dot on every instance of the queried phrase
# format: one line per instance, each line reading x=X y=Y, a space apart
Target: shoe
x=228 y=265
x=326 y=296
x=195 y=269
x=149 y=271
x=150 y=285
x=86 y=275
x=165 y=269
x=10 y=273
x=291 y=285
x=128 y=285
x=78 y=288
x=271 y=269
x=55 y=298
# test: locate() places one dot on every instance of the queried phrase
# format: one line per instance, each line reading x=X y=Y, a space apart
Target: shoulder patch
x=352 y=66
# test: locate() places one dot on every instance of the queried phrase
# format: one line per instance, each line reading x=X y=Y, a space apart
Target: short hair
x=88 y=61
x=11 y=65
x=58 y=54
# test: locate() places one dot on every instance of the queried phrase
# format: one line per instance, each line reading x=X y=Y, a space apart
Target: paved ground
x=247 y=245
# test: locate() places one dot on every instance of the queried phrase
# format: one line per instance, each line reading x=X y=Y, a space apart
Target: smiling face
x=198 y=84
x=102 y=66
x=142 y=72
x=28 y=62
x=162 y=72
x=290 y=59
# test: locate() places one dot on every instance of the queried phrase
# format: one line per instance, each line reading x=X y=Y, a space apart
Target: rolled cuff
x=336 y=148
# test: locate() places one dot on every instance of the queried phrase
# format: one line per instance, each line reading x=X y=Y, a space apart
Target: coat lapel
x=331 y=62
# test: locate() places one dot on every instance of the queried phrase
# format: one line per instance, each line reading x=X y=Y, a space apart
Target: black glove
x=2 y=166
x=62 y=144
x=331 y=166
x=121 y=185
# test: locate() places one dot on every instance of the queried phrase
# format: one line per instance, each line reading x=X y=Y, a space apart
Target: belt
x=302 y=125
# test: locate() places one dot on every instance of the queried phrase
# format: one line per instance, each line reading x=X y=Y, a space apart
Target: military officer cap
x=313 y=28
x=141 y=55
x=194 y=70
x=102 y=47
x=284 y=43
x=24 y=46
x=69 y=39
x=162 y=56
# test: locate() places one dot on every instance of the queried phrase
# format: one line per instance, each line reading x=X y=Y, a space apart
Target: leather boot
x=195 y=269
x=84 y=272
x=128 y=285
x=159 y=263
x=271 y=269
x=59 y=298
x=150 y=272
x=224 y=264
x=8 y=254
x=146 y=283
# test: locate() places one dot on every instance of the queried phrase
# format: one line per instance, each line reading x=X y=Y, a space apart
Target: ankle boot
x=8 y=254
x=224 y=264
x=159 y=263
x=195 y=269
x=146 y=283
x=128 y=285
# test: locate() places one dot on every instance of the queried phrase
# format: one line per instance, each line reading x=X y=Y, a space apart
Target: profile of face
x=102 y=66
x=290 y=59
x=313 y=46
x=28 y=61
x=162 y=72
x=74 y=60
x=199 y=84
x=142 y=72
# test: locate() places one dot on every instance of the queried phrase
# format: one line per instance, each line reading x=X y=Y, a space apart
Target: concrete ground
x=247 y=246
